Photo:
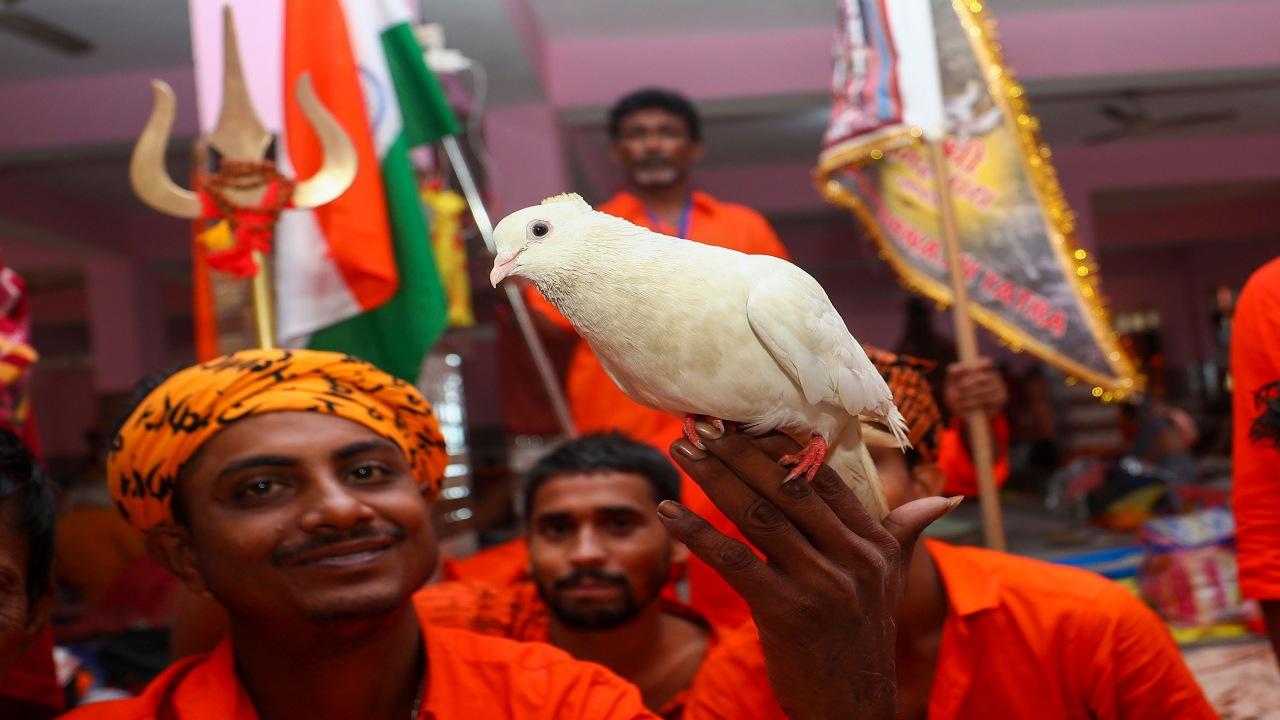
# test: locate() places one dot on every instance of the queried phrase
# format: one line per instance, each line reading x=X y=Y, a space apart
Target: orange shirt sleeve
x=1255 y=362
x=1134 y=669
x=957 y=467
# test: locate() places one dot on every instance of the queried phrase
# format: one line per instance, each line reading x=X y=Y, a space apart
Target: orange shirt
x=598 y=405
x=1022 y=639
x=1255 y=493
x=956 y=465
x=517 y=612
x=497 y=566
x=469 y=676
x=33 y=678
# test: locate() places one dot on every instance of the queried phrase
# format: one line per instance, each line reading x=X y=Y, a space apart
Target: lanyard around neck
x=686 y=216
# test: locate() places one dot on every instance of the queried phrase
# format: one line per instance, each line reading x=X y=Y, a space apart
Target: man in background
x=983 y=634
x=599 y=562
x=27 y=512
x=655 y=137
x=1255 y=462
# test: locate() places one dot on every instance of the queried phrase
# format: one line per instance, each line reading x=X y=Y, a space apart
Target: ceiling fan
x=1133 y=120
x=41 y=32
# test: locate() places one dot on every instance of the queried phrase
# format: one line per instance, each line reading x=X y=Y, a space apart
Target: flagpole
x=546 y=371
x=980 y=447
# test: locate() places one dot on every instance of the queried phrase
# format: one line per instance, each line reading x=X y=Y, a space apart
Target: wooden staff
x=967 y=344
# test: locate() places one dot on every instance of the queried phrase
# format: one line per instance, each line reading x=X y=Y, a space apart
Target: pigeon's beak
x=502 y=266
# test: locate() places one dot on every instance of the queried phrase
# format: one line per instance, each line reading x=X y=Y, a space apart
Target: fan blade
x=1106 y=137
x=1117 y=113
x=1204 y=118
x=44 y=33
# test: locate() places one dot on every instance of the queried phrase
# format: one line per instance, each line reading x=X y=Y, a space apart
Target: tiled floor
x=1241 y=680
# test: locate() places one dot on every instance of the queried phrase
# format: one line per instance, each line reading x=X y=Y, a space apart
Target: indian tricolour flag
x=356 y=275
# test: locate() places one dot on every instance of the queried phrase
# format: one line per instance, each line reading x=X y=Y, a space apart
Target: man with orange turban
x=983 y=634
x=293 y=488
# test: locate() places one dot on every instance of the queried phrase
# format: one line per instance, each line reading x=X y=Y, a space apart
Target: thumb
x=907 y=521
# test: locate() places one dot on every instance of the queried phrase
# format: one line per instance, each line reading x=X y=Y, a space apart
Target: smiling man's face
x=297 y=515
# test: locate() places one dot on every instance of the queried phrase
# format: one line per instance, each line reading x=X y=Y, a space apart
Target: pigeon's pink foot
x=807 y=461
x=691 y=433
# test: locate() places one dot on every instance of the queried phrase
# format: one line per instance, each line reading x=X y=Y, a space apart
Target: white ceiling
x=570 y=18
x=150 y=34
x=481 y=29
x=128 y=34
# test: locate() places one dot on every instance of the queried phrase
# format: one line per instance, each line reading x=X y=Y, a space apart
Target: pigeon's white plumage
x=689 y=328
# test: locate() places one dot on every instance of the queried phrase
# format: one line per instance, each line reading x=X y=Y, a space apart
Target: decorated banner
x=1027 y=281
x=16 y=356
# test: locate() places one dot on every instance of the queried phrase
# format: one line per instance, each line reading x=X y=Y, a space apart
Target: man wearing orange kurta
x=1255 y=494
x=293 y=487
x=983 y=634
x=600 y=561
x=656 y=137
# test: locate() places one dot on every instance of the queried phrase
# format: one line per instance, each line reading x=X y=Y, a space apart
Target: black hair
x=26 y=489
x=601 y=453
x=1266 y=427
x=655 y=99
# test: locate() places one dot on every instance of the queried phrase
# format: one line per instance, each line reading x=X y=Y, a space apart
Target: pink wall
x=528 y=157
x=50 y=114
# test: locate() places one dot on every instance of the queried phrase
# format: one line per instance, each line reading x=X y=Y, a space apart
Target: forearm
x=852 y=685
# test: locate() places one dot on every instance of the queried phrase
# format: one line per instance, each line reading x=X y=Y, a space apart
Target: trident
x=246 y=191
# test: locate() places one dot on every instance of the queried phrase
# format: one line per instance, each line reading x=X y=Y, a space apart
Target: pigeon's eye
x=539 y=228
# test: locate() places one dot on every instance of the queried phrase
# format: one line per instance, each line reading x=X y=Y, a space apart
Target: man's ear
x=695 y=153
x=37 y=618
x=927 y=479
x=171 y=546
x=615 y=152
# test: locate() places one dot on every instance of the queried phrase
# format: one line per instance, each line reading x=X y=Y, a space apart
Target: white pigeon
x=692 y=329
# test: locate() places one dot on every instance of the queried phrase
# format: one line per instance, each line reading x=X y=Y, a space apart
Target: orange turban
x=914 y=398
x=177 y=418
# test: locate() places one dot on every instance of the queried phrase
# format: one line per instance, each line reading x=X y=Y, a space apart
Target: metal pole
x=523 y=319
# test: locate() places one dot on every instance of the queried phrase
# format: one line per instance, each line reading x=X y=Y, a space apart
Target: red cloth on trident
x=252 y=228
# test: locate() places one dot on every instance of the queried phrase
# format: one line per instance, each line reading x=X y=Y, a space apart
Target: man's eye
x=259 y=489
x=619 y=526
x=555 y=530
x=369 y=473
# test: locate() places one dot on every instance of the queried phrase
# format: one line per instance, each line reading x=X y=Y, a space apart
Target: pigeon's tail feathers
x=849 y=457
x=898 y=426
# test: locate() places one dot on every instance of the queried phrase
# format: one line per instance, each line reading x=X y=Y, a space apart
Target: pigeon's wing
x=794 y=319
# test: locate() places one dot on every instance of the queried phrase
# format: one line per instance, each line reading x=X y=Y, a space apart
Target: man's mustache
x=288 y=552
x=654 y=162
x=581 y=575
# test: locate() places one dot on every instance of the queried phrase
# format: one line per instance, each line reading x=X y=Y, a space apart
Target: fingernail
x=953 y=503
x=686 y=448
x=708 y=431
x=669 y=509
